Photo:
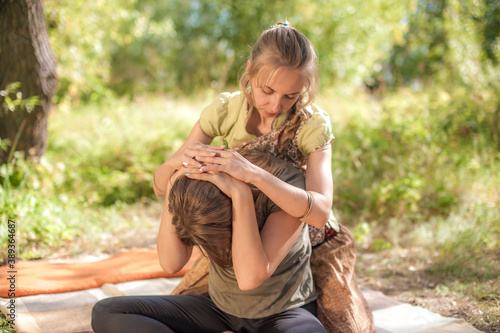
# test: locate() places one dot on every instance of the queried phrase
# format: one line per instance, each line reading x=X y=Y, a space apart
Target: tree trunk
x=26 y=57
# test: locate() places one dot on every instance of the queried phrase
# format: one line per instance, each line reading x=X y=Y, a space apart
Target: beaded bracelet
x=310 y=199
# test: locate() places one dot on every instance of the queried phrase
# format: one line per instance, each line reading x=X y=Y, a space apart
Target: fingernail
x=187 y=174
x=185 y=163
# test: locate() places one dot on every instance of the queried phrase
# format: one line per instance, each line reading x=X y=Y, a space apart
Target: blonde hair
x=283 y=46
x=202 y=213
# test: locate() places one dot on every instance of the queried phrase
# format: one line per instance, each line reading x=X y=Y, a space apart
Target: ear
x=249 y=63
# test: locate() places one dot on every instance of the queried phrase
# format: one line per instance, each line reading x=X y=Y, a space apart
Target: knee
x=101 y=313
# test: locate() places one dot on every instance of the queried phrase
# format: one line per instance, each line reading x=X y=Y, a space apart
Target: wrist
x=162 y=176
x=260 y=177
x=241 y=191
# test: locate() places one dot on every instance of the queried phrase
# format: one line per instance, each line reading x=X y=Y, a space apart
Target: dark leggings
x=192 y=313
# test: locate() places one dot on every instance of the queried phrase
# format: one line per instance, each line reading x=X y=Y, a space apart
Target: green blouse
x=226 y=117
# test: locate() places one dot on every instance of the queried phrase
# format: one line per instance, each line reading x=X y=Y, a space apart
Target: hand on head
x=230 y=162
x=226 y=183
x=185 y=157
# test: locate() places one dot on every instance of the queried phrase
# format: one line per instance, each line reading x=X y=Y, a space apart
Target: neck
x=258 y=126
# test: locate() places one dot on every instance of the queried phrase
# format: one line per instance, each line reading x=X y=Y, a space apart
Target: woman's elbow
x=170 y=264
x=318 y=220
x=324 y=217
x=249 y=284
x=170 y=268
x=250 y=281
x=159 y=193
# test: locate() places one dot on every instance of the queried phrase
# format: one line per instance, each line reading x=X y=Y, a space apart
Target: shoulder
x=317 y=115
x=316 y=131
x=230 y=98
x=220 y=112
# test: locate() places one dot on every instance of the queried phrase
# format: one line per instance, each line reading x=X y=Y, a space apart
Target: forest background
x=412 y=88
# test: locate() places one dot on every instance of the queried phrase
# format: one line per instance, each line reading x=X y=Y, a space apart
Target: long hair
x=283 y=46
x=202 y=213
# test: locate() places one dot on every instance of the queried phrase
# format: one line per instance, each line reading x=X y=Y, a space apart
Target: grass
x=416 y=178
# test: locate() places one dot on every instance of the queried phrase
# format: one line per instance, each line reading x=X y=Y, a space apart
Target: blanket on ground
x=69 y=312
x=41 y=277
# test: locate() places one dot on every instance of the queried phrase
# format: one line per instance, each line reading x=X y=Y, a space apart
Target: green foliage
x=18 y=103
x=83 y=36
x=9 y=103
x=100 y=158
x=5 y=326
x=446 y=40
x=399 y=165
x=131 y=46
x=190 y=45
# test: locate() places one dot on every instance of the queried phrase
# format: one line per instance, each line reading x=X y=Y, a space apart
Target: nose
x=277 y=104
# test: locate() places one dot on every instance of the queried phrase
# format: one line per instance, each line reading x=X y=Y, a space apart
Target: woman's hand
x=185 y=157
x=227 y=184
x=230 y=162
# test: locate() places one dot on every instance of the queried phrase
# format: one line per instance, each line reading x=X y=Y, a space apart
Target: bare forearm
x=250 y=262
x=173 y=254
x=294 y=200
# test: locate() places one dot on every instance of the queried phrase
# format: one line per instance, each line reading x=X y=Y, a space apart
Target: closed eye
x=267 y=91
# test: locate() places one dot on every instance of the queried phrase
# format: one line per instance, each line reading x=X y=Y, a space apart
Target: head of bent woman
x=202 y=213
x=282 y=71
x=202 y=217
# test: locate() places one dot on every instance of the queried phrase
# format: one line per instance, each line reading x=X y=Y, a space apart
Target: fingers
x=212 y=177
x=219 y=157
x=210 y=159
x=212 y=167
x=192 y=170
x=200 y=175
x=190 y=162
x=198 y=155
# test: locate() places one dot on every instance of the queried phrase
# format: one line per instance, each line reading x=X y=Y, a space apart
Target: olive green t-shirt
x=290 y=286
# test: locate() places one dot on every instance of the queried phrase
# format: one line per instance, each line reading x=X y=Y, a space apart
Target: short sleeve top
x=226 y=117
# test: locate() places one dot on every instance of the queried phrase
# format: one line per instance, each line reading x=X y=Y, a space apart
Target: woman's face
x=279 y=93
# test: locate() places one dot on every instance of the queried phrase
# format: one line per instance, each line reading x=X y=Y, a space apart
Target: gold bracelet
x=310 y=199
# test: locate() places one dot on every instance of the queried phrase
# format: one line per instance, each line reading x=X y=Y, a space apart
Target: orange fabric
x=41 y=277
